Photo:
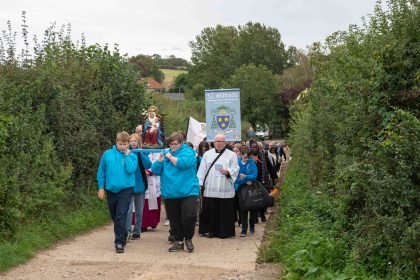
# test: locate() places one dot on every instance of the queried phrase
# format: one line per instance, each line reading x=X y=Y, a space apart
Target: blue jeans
x=118 y=204
x=138 y=199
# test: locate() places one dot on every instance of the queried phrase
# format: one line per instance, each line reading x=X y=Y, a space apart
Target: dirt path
x=92 y=256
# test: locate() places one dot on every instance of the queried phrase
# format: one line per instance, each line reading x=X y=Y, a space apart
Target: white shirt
x=217 y=184
x=153 y=191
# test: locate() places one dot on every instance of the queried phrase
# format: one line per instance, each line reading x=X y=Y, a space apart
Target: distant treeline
x=171 y=62
x=150 y=65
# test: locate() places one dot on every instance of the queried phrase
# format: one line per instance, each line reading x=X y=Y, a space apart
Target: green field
x=170 y=76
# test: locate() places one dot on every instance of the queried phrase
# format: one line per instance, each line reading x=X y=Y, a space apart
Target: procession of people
x=201 y=185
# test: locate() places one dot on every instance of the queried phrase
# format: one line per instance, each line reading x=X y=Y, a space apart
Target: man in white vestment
x=217 y=218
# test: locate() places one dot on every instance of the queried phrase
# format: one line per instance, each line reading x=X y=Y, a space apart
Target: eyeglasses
x=173 y=144
x=219 y=141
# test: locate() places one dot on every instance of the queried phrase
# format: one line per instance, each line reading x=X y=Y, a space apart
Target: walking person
x=180 y=189
x=276 y=159
x=140 y=187
x=265 y=171
x=153 y=201
x=217 y=174
x=116 y=176
x=247 y=175
x=237 y=213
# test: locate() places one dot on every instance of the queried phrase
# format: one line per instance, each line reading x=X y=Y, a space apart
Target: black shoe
x=171 y=238
x=119 y=248
x=178 y=246
x=143 y=229
x=263 y=218
x=189 y=245
x=135 y=236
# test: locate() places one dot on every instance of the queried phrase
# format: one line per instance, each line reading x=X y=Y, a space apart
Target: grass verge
x=303 y=239
x=42 y=234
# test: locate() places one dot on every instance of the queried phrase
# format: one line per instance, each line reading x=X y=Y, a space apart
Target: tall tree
x=218 y=52
x=212 y=56
x=258 y=91
x=259 y=44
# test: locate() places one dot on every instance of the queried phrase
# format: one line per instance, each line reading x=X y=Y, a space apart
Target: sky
x=166 y=26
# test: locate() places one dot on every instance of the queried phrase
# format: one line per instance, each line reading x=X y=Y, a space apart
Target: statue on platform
x=153 y=128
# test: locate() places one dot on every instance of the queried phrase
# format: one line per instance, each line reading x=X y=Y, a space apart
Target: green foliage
x=147 y=67
x=197 y=91
x=356 y=137
x=260 y=45
x=180 y=83
x=171 y=62
x=258 y=90
x=218 y=52
x=305 y=242
x=212 y=56
x=59 y=109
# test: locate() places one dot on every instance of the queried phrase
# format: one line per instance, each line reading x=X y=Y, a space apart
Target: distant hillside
x=171 y=62
x=170 y=76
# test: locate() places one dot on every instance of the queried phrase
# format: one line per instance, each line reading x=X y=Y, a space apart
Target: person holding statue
x=152 y=129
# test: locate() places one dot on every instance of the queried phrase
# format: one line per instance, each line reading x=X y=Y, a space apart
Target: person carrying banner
x=217 y=174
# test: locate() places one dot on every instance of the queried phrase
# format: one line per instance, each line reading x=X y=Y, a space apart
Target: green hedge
x=59 y=109
x=356 y=138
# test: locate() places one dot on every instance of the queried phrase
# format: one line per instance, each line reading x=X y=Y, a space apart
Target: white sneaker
x=167 y=223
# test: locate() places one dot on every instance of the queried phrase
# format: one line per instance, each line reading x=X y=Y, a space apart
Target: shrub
x=356 y=136
x=60 y=107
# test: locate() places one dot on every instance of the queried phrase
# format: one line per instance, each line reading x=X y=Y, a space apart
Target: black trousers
x=237 y=211
x=244 y=219
x=118 y=204
x=182 y=214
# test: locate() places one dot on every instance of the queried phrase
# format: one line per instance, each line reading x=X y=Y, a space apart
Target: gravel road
x=92 y=256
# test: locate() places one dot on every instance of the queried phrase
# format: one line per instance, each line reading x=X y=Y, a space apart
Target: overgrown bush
x=60 y=107
x=356 y=136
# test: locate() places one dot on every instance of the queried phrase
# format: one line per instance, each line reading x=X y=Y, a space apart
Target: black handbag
x=254 y=197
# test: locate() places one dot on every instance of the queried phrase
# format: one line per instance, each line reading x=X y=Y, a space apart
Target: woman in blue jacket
x=179 y=187
x=247 y=175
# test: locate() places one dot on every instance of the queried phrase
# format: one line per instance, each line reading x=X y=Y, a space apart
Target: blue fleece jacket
x=139 y=187
x=180 y=180
x=249 y=169
x=116 y=170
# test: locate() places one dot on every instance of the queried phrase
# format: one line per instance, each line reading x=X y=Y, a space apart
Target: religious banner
x=196 y=131
x=223 y=114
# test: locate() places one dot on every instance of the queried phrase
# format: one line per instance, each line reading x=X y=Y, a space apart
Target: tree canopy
x=218 y=51
x=258 y=90
x=147 y=67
